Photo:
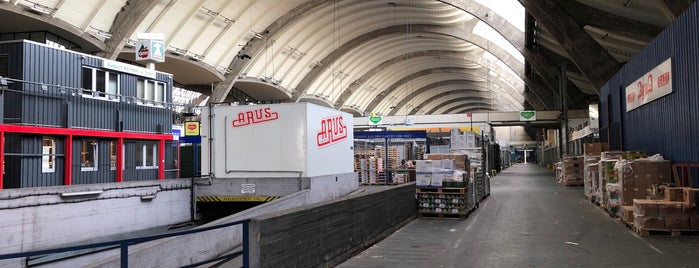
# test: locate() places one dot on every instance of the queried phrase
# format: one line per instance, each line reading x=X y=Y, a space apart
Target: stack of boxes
x=678 y=211
x=432 y=173
x=592 y=180
x=461 y=168
x=572 y=169
x=441 y=186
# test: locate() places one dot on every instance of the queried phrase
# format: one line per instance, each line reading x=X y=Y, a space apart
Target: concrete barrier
x=185 y=250
x=327 y=233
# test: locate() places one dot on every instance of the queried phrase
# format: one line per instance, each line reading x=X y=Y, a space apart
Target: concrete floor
x=528 y=221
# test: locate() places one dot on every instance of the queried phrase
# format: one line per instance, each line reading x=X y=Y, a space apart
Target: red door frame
x=70 y=133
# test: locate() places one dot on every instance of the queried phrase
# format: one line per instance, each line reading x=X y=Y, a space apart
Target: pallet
x=441 y=190
x=443 y=215
x=667 y=232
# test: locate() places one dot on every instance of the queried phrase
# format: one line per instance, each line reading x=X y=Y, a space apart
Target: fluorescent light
x=74 y=194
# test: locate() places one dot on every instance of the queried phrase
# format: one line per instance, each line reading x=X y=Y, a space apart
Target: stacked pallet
x=666 y=217
x=572 y=169
x=442 y=186
x=444 y=202
x=590 y=177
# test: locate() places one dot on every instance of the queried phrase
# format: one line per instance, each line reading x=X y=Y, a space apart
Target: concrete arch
x=435 y=104
x=426 y=90
x=481 y=73
x=455 y=31
x=423 y=104
x=455 y=109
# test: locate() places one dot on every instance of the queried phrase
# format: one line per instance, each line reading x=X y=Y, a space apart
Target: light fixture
x=257 y=35
x=101 y=33
x=3 y=81
x=196 y=57
x=78 y=194
x=36 y=7
x=177 y=51
x=44 y=87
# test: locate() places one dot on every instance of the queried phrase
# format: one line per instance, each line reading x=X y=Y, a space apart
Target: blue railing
x=125 y=243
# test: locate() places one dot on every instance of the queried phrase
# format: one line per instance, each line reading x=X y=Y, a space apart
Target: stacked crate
x=572 y=171
x=435 y=199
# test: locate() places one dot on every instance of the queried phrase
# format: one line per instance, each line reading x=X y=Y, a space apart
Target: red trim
x=161 y=159
x=2 y=157
x=68 y=176
x=70 y=132
x=120 y=160
x=82 y=132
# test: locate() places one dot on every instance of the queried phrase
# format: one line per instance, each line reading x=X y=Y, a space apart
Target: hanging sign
x=375 y=119
x=150 y=47
x=527 y=116
x=191 y=128
x=651 y=86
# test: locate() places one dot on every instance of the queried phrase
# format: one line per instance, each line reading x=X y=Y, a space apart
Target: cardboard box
x=677 y=222
x=648 y=223
x=674 y=194
x=689 y=195
x=689 y=209
x=437 y=180
x=423 y=179
x=645 y=208
x=666 y=208
x=595 y=148
x=627 y=213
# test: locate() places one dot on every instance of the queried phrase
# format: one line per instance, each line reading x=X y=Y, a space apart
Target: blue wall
x=667 y=125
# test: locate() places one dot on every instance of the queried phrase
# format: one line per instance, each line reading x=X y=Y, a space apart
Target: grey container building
x=71 y=118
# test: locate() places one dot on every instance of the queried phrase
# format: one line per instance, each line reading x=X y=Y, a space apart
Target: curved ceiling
x=391 y=57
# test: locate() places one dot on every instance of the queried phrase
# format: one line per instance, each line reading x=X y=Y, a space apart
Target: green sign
x=375 y=119
x=527 y=116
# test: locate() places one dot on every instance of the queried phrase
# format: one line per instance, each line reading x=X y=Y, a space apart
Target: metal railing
x=125 y=243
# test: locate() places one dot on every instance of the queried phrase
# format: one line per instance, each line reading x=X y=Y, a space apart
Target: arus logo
x=255 y=117
x=332 y=130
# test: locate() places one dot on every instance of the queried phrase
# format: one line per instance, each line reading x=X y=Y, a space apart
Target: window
x=150 y=92
x=48 y=155
x=99 y=83
x=88 y=155
x=147 y=155
x=4 y=65
x=113 y=156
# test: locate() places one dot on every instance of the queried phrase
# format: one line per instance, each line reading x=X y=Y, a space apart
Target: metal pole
x=564 y=95
x=124 y=254
x=246 y=244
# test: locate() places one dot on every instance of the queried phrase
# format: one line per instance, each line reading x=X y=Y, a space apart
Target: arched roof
x=387 y=56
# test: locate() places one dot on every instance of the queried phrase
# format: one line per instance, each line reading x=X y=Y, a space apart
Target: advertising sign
x=651 y=86
x=527 y=116
x=150 y=50
x=191 y=128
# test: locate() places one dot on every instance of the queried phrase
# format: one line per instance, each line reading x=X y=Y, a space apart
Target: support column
x=161 y=160
x=120 y=160
x=68 y=176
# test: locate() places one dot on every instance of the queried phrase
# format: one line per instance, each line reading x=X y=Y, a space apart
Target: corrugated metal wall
x=667 y=125
x=53 y=105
